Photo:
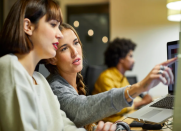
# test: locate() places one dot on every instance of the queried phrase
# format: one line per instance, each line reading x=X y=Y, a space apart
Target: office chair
x=132 y=79
x=37 y=67
x=41 y=69
x=91 y=75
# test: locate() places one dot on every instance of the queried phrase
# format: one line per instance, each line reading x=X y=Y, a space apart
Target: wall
x=7 y=6
x=64 y=3
x=145 y=22
x=1 y=14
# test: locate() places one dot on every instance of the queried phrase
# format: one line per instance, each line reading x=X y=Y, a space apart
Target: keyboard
x=166 y=103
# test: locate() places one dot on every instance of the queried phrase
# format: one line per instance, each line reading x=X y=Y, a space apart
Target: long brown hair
x=53 y=68
x=79 y=80
x=13 y=39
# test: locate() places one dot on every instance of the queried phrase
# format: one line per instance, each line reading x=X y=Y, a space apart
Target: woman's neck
x=29 y=61
x=70 y=78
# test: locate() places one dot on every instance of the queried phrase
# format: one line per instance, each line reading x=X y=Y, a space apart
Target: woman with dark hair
x=27 y=103
x=67 y=83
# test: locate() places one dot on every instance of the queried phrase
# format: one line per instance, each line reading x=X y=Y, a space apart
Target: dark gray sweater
x=84 y=110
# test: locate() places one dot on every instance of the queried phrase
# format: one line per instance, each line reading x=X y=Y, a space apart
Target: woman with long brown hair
x=67 y=83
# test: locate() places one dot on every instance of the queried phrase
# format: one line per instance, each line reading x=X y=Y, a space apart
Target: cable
x=124 y=118
x=168 y=124
x=168 y=127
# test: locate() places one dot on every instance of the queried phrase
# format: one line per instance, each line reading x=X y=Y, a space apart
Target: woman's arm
x=83 y=110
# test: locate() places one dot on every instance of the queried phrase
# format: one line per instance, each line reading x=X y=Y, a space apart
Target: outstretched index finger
x=169 y=62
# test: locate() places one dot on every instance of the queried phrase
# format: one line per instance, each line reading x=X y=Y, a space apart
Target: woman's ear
x=28 y=26
x=52 y=61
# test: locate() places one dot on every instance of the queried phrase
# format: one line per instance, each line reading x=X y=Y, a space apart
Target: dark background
x=95 y=17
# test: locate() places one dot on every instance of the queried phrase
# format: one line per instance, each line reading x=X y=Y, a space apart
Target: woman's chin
x=79 y=69
x=51 y=54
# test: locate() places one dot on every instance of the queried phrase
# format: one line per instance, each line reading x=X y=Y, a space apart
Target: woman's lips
x=76 y=62
x=55 y=45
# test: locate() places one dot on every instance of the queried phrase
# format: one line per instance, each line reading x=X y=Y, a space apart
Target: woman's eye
x=53 y=25
x=76 y=43
x=64 y=49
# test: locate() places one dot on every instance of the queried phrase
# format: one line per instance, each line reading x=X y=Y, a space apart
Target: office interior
x=143 y=21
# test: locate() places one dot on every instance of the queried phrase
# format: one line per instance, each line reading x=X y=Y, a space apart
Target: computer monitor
x=132 y=79
x=172 y=51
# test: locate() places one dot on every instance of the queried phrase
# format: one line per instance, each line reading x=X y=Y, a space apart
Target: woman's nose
x=74 y=52
x=59 y=34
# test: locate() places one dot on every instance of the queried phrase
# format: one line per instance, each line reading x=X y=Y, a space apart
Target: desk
x=129 y=120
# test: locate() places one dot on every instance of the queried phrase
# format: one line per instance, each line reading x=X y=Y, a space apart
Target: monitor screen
x=172 y=51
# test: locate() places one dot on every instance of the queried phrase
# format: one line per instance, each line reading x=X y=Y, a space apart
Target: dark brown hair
x=117 y=49
x=13 y=39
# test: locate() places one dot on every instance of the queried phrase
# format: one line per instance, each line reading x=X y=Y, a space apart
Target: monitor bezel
x=168 y=44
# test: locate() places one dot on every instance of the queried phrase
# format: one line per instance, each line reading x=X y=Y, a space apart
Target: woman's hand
x=160 y=73
x=108 y=126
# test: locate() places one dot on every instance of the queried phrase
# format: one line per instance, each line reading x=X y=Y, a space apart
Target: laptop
x=160 y=110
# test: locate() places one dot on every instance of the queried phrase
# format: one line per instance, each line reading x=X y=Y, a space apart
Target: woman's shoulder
x=7 y=60
x=8 y=64
x=56 y=79
x=58 y=82
x=10 y=72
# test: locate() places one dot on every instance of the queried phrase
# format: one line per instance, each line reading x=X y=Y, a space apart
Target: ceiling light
x=90 y=32
x=174 y=4
x=104 y=39
x=174 y=15
x=76 y=23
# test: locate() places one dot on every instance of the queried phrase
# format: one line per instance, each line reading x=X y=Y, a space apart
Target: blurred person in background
x=118 y=58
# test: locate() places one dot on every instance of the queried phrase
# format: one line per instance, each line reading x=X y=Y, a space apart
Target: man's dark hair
x=117 y=49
